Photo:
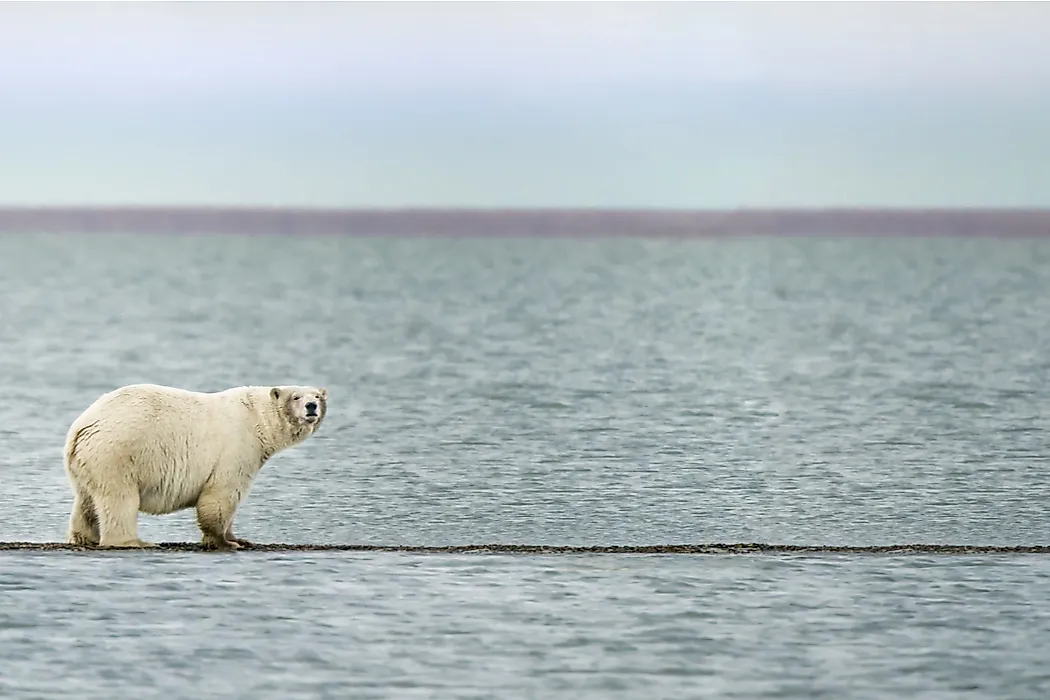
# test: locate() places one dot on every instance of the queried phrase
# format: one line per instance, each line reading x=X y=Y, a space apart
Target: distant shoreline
x=503 y=223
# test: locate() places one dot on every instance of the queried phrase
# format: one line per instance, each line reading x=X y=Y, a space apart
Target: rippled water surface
x=548 y=392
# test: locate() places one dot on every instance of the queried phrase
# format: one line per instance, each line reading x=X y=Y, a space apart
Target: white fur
x=159 y=449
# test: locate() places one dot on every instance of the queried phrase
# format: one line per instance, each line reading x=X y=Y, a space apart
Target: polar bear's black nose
x=311 y=408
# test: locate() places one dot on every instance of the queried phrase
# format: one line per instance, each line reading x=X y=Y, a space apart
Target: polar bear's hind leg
x=118 y=514
x=83 y=522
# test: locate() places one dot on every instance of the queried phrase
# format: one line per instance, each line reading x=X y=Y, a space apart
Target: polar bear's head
x=301 y=406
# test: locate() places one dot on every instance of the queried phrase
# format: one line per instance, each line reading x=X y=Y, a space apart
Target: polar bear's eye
x=296 y=397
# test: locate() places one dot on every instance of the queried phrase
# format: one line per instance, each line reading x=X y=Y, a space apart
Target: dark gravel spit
x=713 y=548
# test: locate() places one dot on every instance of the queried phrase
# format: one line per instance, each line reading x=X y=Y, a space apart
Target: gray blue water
x=809 y=391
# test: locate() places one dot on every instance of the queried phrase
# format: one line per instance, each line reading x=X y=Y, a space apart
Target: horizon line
x=531 y=222
x=499 y=209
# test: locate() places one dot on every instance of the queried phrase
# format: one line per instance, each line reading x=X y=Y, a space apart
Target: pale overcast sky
x=684 y=104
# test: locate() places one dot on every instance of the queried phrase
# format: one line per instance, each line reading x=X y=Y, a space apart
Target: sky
x=525 y=104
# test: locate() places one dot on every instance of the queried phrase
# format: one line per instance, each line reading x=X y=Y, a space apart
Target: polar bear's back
x=139 y=411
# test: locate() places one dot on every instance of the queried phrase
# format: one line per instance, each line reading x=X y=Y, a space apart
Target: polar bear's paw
x=214 y=544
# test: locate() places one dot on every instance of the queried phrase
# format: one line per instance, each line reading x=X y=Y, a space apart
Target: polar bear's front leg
x=215 y=508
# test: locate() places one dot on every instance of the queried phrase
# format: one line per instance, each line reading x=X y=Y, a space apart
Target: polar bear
x=158 y=449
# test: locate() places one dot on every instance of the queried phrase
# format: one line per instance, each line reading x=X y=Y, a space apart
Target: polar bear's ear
x=324 y=394
x=275 y=393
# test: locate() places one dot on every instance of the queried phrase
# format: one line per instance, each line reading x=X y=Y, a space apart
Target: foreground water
x=309 y=626
x=548 y=392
